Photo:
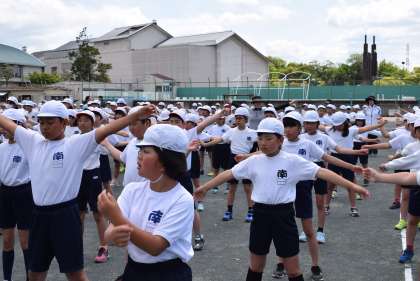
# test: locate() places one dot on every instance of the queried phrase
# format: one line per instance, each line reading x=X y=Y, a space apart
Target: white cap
x=179 y=113
x=88 y=113
x=217 y=104
x=244 y=105
x=270 y=105
x=321 y=106
x=53 y=108
x=113 y=103
x=242 y=111
x=99 y=111
x=27 y=103
x=164 y=115
x=348 y=107
x=270 y=109
x=165 y=136
x=199 y=104
x=407 y=115
x=194 y=104
x=343 y=107
x=417 y=123
x=191 y=117
x=360 y=116
x=98 y=102
x=356 y=106
x=411 y=119
x=161 y=103
x=72 y=112
x=289 y=108
x=294 y=115
x=121 y=100
x=67 y=100
x=338 y=118
x=121 y=109
x=270 y=125
x=206 y=107
x=331 y=106
x=13 y=99
x=213 y=107
x=311 y=116
x=15 y=115
x=312 y=106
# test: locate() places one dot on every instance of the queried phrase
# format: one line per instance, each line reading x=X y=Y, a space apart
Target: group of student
x=54 y=162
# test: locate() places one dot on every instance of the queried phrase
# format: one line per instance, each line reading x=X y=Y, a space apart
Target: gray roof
x=126 y=31
x=208 y=39
x=11 y=55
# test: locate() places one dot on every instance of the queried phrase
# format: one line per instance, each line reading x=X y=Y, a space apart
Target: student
x=274 y=174
x=242 y=141
x=154 y=218
x=72 y=128
x=56 y=231
x=343 y=135
x=91 y=186
x=16 y=203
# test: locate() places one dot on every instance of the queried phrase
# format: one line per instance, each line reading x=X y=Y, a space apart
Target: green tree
x=43 y=78
x=6 y=72
x=86 y=64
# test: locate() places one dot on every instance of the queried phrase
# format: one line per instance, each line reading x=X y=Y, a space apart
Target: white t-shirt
x=401 y=141
x=71 y=131
x=325 y=120
x=241 y=141
x=411 y=148
x=167 y=214
x=303 y=148
x=191 y=135
x=129 y=157
x=14 y=168
x=218 y=131
x=92 y=162
x=398 y=131
x=323 y=141
x=372 y=114
x=347 y=141
x=55 y=166
x=274 y=178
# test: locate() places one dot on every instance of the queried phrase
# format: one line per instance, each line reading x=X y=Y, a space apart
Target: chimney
x=154 y=21
x=24 y=49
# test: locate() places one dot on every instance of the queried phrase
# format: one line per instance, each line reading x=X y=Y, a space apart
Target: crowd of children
x=55 y=163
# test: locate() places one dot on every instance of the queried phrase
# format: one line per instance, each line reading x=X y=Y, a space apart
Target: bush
x=43 y=78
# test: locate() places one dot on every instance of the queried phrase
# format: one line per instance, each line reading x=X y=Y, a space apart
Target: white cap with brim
x=270 y=125
x=72 y=113
x=165 y=136
x=13 y=99
x=14 y=115
x=312 y=106
x=321 y=106
x=121 y=109
x=289 y=108
x=360 y=116
x=161 y=103
x=294 y=115
x=338 y=118
x=311 y=116
x=121 y=100
x=98 y=111
x=27 y=103
x=67 y=100
x=164 y=115
x=206 y=107
x=270 y=109
x=242 y=111
x=411 y=119
x=88 y=113
x=417 y=123
x=194 y=118
x=53 y=108
x=179 y=114
x=331 y=106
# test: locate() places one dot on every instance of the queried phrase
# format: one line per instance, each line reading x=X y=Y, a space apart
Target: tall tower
x=374 y=71
x=366 y=63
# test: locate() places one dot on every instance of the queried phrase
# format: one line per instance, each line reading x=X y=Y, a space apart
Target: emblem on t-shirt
x=223 y=130
x=58 y=160
x=248 y=138
x=319 y=142
x=16 y=160
x=302 y=151
x=153 y=219
x=281 y=177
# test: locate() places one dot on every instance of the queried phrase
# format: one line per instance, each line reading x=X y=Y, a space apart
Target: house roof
x=161 y=76
x=127 y=31
x=11 y=55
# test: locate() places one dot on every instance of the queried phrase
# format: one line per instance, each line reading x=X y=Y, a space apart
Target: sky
x=295 y=30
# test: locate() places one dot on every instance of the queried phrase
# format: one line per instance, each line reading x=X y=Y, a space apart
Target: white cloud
x=240 y=2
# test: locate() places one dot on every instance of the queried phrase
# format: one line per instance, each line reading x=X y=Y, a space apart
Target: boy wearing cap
x=16 y=203
x=274 y=174
x=56 y=231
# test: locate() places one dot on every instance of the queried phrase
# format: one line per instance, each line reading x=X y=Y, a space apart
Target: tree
x=6 y=72
x=86 y=61
x=43 y=78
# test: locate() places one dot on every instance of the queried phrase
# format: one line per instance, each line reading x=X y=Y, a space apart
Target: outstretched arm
x=208 y=121
x=340 y=163
x=403 y=178
x=381 y=123
x=332 y=177
x=216 y=181
x=384 y=145
x=8 y=125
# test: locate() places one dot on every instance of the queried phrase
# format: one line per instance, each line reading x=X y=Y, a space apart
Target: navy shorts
x=105 y=168
x=90 y=188
x=320 y=185
x=232 y=162
x=303 y=202
x=195 y=165
x=172 y=270
x=274 y=223
x=185 y=181
x=56 y=232
x=414 y=202
x=16 y=206
x=221 y=156
x=345 y=173
x=363 y=159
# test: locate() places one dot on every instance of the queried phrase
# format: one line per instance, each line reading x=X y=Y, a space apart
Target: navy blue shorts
x=105 y=168
x=195 y=165
x=221 y=156
x=56 y=232
x=172 y=270
x=185 y=181
x=363 y=159
x=320 y=185
x=16 y=206
x=345 y=173
x=274 y=223
x=414 y=202
x=232 y=162
x=90 y=188
x=303 y=202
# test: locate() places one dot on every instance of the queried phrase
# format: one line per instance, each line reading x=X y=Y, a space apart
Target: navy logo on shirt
x=223 y=130
x=58 y=159
x=58 y=156
x=17 y=159
x=319 y=142
x=155 y=216
x=248 y=138
x=281 y=177
x=302 y=151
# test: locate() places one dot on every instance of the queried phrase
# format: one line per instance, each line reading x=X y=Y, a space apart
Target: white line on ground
x=408 y=275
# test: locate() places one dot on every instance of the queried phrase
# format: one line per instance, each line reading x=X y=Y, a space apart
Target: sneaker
x=358 y=197
x=102 y=255
x=279 y=272
x=334 y=194
x=316 y=273
x=354 y=212
x=327 y=210
x=401 y=224
x=200 y=207
x=249 y=217
x=406 y=256
x=365 y=182
x=302 y=237
x=198 y=242
x=395 y=205
x=215 y=190
x=320 y=237
x=227 y=216
x=210 y=174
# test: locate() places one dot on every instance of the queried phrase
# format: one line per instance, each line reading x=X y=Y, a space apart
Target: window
x=17 y=71
x=106 y=42
x=54 y=70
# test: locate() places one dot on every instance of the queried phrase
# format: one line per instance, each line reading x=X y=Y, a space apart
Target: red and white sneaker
x=102 y=255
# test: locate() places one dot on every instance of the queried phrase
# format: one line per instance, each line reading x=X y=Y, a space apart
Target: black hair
x=345 y=131
x=277 y=135
x=174 y=162
x=290 y=122
x=363 y=120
